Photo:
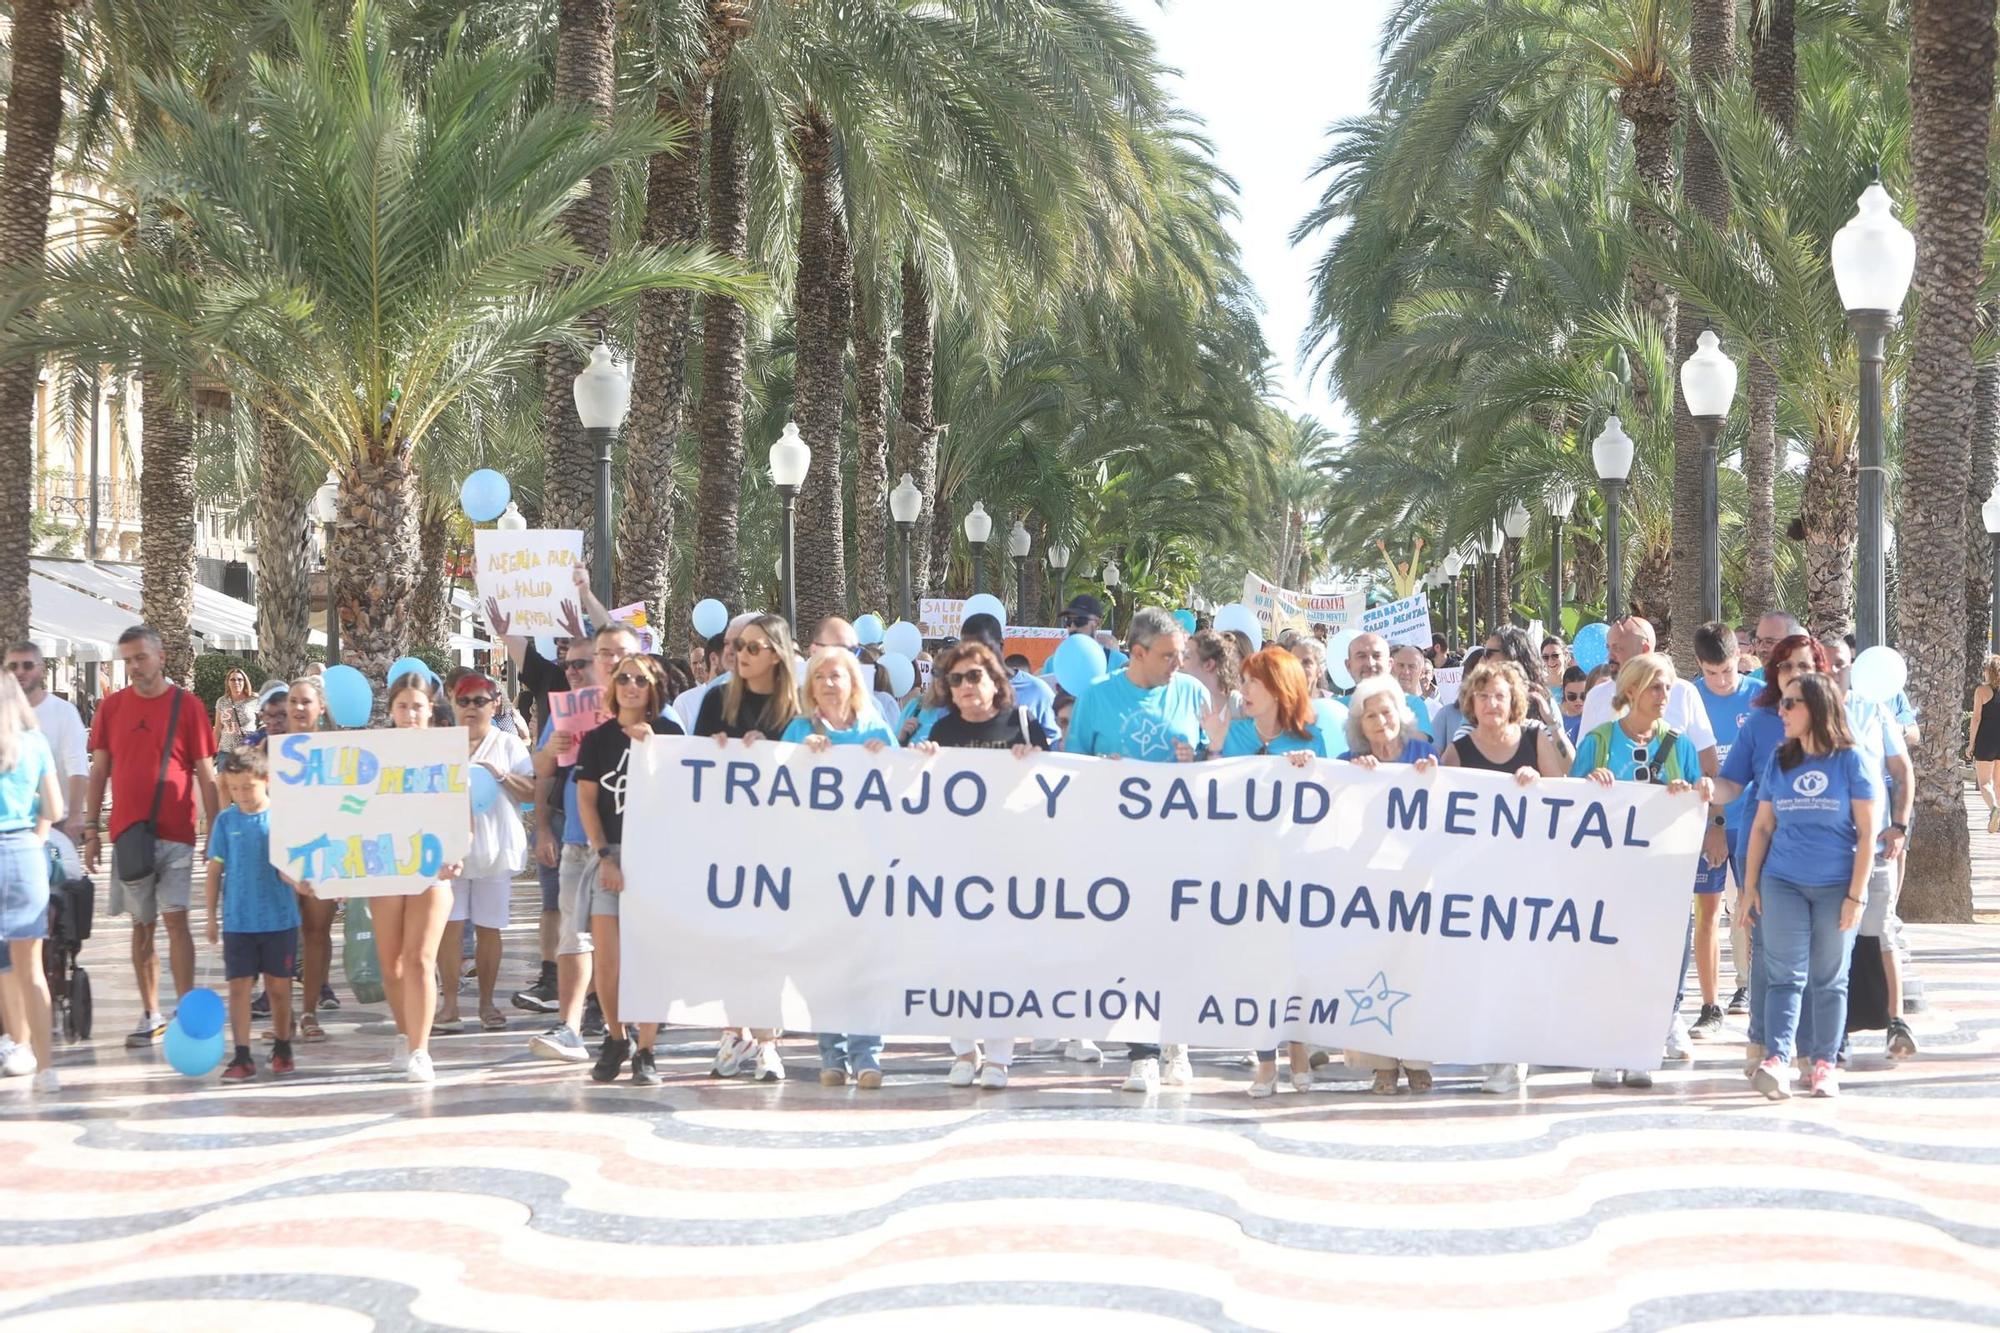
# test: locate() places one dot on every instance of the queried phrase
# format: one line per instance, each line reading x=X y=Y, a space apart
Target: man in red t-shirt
x=127 y=740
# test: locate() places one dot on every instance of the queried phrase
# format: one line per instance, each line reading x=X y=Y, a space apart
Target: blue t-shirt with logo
x=1625 y=756
x=1814 y=805
x=1243 y=739
x=1116 y=716
x=254 y=898
x=867 y=727
x=1727 y=714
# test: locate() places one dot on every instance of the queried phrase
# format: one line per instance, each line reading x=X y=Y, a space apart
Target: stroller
x=72 y=904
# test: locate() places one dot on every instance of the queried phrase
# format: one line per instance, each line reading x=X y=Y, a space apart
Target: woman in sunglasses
x=762 y=696
x=1812 y=849
x=639 y=710
x=1640 y=747
x=499 y=846
x=837 y=711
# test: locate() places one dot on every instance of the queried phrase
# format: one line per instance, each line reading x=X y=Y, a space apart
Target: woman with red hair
x=1278 y=716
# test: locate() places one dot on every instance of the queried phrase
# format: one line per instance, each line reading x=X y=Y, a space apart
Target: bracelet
x=1851 y=898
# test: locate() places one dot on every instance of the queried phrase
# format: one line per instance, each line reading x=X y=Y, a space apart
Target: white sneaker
x=993 y=1076
x=1302 y=1080
x=399 y=1058
x=1260 y=1089
x=1144 y=1076
x=770 y=1069
x=1638 y=1078
x=964 y=1070
x=560 y=1043
x=1607 y=1078
x=1045 y=1046
x=19 y=1062
x=418 y=1068
x=1501 y=1080
x=1179 y=1071
x=6 y=1046
x=1678 y=1047
x=730 y=1053
x=1079 y=1050
x=47 y=1082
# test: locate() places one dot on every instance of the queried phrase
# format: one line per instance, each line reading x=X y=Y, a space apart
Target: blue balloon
x=1077 y=664
x=1114 y=661
x=709 y=617
x=545 y=644
x=1332 y=717
x=484 y=495
x=193 y=1056
x=485 y=787
x=869 y=629
x=1591 y=648
x=349 y=697
x=411 y=666
x=201 y=1012
x=1186 y=619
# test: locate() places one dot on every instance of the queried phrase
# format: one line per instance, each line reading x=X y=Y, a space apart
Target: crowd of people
x=1807 y=785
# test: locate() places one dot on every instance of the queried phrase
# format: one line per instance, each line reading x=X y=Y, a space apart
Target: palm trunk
x=1653 y=110
x=374 y=562
x=1652 y=580
x=166 y=515
x=34 y=122
x=1584 y=584
x=920 y=432
x=1952 y=54
x=724 y=328
x=431 y=605
x=871 y=450
x=1984 y=472
x=1759 y=592
x=822 y=571
x=1712 y=48
x=1827 y=515
x=659 y=381
x=284 y=541
x=585 y=79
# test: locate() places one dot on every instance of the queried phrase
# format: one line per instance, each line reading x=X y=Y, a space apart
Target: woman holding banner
x=837 y=712
x=1640 y=747
x=1278 y=716
x=305 y=711
x=980 y=714
x=499 y=845
x=641 y=709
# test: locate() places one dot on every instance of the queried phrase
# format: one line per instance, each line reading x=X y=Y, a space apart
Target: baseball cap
x=1085 y=606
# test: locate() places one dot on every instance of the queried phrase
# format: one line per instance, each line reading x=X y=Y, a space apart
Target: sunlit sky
x=1268 y=78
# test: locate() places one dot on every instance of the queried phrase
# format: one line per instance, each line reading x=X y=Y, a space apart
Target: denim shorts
x=551 y=877
x=260 y=953
x=24 y=886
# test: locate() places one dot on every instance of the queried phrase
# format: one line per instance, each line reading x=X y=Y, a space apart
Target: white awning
x=223 y=623
x=71 y=624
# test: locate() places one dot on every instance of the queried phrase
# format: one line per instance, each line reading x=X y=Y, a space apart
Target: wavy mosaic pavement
x=514 y=1194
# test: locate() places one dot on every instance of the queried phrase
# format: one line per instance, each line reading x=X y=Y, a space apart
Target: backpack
x=1666 y=742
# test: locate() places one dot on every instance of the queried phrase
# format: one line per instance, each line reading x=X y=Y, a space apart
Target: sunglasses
x=1789 y=702
x=1570 y=697
x=630 y=678
x=954 y=679
x=21 y=666
x=1641 y=772
x=753 y=648
x=475 y=701
x=576 y=664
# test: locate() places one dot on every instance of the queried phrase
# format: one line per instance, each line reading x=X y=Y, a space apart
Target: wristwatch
x=1899 y=826
x=606 y=853
x=1718 y=821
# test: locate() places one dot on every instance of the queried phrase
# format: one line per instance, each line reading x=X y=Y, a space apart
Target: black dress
x=1526 y=754
x=1986 y=741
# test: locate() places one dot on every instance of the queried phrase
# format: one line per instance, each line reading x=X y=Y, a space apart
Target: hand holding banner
x=365 y=813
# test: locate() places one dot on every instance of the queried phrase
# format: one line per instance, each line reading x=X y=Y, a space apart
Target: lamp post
x=905 y=503
x=1453 y=563
x=1611 y=453
x=1110 y=576
x=978 y=527
x=1059 y=566
x=1708 y=384
x=791 y=459
x=326 y=508
x=1990 y=514
x=1561 y=498
x=1874 y=257
x=1515 y=524
x=512 y=520
x=1019 y=543
x=603 y=392
x=1491 y=546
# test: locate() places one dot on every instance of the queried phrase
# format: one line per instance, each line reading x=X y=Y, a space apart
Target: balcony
x=67 y=495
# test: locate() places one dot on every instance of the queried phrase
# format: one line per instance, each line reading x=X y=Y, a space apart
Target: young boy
x=260 y=911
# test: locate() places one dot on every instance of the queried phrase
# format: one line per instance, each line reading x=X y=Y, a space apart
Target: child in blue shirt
x=259 y=927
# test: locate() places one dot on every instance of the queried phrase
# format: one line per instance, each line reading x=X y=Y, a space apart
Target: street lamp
x=1708 y=384
x=978 y=527
x=1018 y=545
x=603 y=392
x=1874 y=256
x=1611 y=453
x=1515 y=524
x=1490 y=546
x=326 y=508
x=905 y=503
x=512 y=520
x=1560 y=499
x=791 y=459
x=1990 y=512
x=1453 y=563
x=1059 y=566
x=1109 y=576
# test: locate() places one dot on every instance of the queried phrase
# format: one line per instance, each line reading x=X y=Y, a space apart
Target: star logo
x=1146 y=735
x=1375 y=1003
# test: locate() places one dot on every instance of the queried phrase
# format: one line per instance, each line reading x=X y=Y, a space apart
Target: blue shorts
x=260 y=953
x=24 y=886
x=551 y=886
x=1711 y=879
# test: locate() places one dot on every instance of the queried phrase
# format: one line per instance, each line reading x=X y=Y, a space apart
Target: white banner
x=1447 y=683
x=525 y=577
x=1451 y=916
x=1277 y=607
x=362 y=813
x=1407 y=621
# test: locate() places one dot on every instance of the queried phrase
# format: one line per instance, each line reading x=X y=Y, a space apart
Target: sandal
x=493 y=1021
x=1385 y=1083
x=310 y=1030
x=453 y=1024
x=1420 y=1079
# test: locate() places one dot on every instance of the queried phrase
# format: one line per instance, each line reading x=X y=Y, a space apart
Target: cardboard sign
x=1037 y=643
x=940 y=617
x=365 y=813
x=634 y=614
x=525 y=576
x=578 y=711
x=1447 y=683
x=1407 y=621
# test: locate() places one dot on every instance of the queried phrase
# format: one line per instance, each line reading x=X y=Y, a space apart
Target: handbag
x=132 y=850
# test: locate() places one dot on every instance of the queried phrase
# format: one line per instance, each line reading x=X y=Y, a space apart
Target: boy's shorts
x=260 y=953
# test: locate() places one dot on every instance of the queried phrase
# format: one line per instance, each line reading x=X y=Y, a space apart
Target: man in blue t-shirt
x=1725 y=695
x=1146 y=711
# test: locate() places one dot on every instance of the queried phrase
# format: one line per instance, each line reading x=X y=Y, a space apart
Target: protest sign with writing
x=525 y=576
x=1034 y=642
x=1230 y=904
x=1447 y=683
x=634 y=614
x=1278 y=608
x=939 y=617
x=364 y=813
x=1400 y=622
x=578 y=711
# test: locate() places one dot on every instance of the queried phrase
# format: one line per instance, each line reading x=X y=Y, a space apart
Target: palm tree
x=1774 y=81
x=284 y=540
x=425 y=291
x=1952 y=54
x=724 y=332
x=34 y=125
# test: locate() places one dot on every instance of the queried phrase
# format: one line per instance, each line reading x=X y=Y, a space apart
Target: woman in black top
x=639 y=696
x=761 y=697
x=1510 y=643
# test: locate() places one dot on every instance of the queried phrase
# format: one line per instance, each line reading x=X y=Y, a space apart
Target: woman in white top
x=499 y=846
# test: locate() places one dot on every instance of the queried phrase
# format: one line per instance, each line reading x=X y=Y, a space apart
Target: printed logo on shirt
x=1809 y=784
x=1144 y=735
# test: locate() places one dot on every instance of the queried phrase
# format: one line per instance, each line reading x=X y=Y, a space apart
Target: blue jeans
x=1803 y=957
x=850 y=1052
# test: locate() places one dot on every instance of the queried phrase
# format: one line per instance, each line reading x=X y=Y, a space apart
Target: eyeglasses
x=1640 y=771
x=576 y=664
x=475 y=701
x=753 y=648
x=22 y=666
x=954 y=679
x=1789 y=702
x=630 y=678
